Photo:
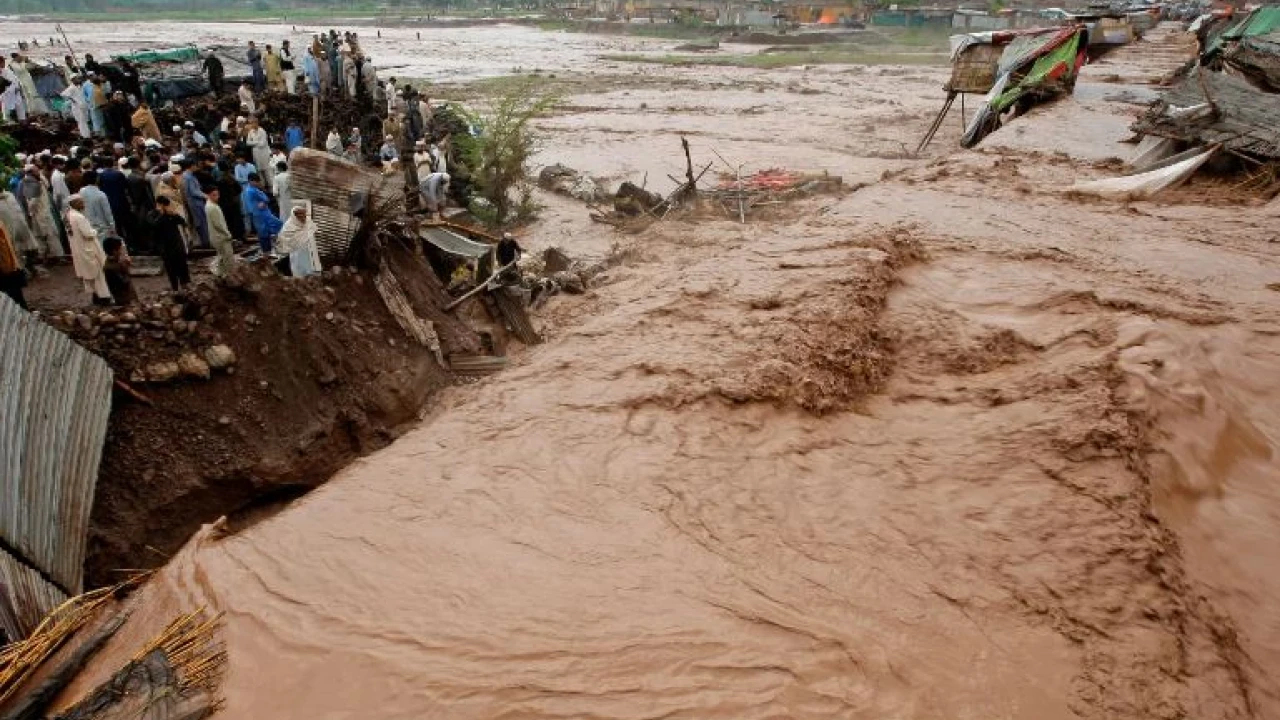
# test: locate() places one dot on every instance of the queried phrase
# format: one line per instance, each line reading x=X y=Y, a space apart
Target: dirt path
x=952 y=446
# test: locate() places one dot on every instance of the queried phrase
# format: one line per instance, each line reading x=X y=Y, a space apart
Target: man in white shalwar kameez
x=297 y=239
x=87 y=255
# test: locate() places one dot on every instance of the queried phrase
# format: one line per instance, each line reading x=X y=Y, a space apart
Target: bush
x=498 y=155
x=8 y=159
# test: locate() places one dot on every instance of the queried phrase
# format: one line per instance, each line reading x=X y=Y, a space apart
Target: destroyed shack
x=1013 y=70
x=1249 y=46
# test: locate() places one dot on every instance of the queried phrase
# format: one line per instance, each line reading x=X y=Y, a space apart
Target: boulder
x=190 y=365
x=220 y=357
x=631 y=199
x=569 y=282
x=161 y=372
x=554 y=260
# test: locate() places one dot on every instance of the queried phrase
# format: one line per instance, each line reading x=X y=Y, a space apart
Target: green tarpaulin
x=182 y=54
x=1262 y=21
x=1064 y=54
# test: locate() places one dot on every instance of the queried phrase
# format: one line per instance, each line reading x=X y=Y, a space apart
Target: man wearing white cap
x=87 y=255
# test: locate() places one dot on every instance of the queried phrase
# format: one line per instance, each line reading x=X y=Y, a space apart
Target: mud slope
x=324 y=375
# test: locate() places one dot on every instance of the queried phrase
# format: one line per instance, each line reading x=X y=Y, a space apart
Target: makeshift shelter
x=1216 y=108
x=1249 y=46
x=1010 y=67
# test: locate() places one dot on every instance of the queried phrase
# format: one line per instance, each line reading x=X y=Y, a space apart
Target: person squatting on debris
x=435 y=192
x=168 y=226
x=87 y=255
x=297 y=243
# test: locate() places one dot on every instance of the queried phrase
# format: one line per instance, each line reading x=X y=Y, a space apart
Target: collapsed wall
x=250 y=393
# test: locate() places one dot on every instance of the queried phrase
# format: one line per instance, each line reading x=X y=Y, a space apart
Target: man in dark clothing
x=130 y=81
x=119 y=118
x=141 y=199
x=254 y=58
x=116 y=186
x=91 y=66
x=509 y=250
x=229 y=200
x=116 y=270
x=167 y=225
x=213 y=66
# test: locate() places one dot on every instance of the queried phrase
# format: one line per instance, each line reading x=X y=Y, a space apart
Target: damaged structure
x=1226 y=104
x=1013 y=70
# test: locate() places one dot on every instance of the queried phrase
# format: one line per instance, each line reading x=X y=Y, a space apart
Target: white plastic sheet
x=1144 y=185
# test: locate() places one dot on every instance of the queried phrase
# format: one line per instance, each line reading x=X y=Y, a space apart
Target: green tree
x=499 y=154
x=8 y=159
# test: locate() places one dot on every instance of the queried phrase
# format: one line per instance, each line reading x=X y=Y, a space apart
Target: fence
x=54 y=401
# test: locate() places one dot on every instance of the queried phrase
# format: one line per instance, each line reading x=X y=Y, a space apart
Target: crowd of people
x=129 y=187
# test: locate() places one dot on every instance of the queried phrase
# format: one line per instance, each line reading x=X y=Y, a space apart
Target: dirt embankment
x=323 y=375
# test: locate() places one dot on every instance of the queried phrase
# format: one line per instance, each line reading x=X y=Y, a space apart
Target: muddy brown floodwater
x=954 y=445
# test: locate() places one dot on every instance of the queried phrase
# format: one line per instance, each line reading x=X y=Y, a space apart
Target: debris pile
x=1224 y=106
x=769 y=187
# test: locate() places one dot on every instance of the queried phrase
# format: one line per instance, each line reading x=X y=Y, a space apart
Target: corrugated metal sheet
x=25 y=597
x=55 y=397
x=453 y=243
x=336 y=188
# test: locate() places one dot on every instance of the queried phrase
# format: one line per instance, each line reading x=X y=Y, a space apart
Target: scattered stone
x=554 y=260
x=263 y=384
x=170 y=337
x=191 y=365
x=137 y=376
x=220 y=357
x=129 y=317
x=162 y=372
x=569 y=282
x=179 y=325
x=175 y=312
x=631 y=199
x=328 y=316
x=224 y=420
x=264 y=349
x=84 y=322
x=192 y=325
x=250 y=319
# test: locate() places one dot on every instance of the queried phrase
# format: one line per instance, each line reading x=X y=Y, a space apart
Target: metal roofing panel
x=337 y=189
x=25 y=597
x=55 y=398
x=453 y=243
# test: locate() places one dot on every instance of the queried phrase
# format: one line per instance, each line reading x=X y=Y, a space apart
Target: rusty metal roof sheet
x=337 y=190
x=55 y=397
